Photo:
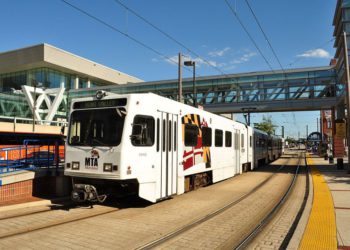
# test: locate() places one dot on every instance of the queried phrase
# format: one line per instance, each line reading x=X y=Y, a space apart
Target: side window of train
x=242 y=140
x=236 y=141
x=206 y=137
x=228 y=139
x=218 y=138
x=158 y=129
x=142 y=131
x=191 y=134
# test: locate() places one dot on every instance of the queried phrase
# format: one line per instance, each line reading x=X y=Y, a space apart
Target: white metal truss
x=36 y=96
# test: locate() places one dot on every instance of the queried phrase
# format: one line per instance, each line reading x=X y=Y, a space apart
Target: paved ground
x=133 y=227
x=102 y=232
x=339 y=184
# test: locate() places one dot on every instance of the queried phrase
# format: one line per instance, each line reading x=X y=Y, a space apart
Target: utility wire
x=267 y=40
x=250 y=37
x=122 y=33
x=169 y=36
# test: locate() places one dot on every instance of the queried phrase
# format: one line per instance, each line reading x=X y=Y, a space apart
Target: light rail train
x=155 y=147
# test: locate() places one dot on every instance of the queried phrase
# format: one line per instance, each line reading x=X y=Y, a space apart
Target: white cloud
x=316 y=53
x=219 y=53
x=245 y=58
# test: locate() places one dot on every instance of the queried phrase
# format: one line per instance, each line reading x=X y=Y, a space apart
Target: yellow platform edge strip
x=320 y=232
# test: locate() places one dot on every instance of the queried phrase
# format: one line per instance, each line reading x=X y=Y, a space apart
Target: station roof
x=45 y=55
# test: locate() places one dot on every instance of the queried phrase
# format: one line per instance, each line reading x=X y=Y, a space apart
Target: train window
x=206 y=137
x=175 y=136
x=169 y=136
x=191 y=134
x=228 y=139
x=142 y=131
x=96 y=127
x=218 y=138
x=236 y=141
x=242 y=140
x=158 y=124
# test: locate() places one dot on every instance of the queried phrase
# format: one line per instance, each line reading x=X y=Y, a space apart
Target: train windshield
x=96 y=127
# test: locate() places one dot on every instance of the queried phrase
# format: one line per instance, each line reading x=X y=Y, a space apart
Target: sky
x=299 y=31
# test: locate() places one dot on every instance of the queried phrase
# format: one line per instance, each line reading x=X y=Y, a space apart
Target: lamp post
x=193 y=64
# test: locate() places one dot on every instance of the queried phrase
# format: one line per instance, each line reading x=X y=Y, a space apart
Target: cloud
x=219 y=53
x=316 y=53
x=245 y=58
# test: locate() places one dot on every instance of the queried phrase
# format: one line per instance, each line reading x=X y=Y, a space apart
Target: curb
x=32 y=204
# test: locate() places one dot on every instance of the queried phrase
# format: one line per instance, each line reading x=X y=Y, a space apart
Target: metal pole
x=282 y=131
x=347 y=93
x=179 y=98
x=194 y=85
x=307 y=131
x=317 y=123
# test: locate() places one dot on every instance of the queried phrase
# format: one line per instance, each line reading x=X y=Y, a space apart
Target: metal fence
x=31 y=155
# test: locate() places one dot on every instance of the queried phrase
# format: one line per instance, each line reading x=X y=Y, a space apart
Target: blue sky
x=298 y=30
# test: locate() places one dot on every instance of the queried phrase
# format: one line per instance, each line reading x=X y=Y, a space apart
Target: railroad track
x=47 y=218
x=181 y=231
x=98 y=211
x=248 y=239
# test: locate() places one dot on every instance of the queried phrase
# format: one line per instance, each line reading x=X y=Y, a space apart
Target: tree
x=266 y=125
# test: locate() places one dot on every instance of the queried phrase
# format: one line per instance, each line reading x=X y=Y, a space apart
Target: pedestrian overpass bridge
x=265 y=91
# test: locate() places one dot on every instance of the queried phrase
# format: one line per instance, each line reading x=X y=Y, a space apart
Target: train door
x=237 y=152
x=168 y=154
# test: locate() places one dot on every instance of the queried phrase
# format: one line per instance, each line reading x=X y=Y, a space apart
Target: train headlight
x=75 y=165
x=107 y=167
x=100 y=94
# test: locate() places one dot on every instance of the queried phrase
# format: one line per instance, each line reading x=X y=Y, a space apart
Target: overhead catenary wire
x=263 y=32
x=169 y=36
x=121 y=32
x=249 y=35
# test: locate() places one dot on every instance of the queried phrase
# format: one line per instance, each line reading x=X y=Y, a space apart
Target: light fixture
x=100 y=94
x=75 y=165
x=107 y=167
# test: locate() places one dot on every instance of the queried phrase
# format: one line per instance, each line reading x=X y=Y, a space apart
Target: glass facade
x=46 y=77
x=13 y=102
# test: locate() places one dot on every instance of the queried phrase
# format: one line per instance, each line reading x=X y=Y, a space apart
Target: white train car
x=150 y=145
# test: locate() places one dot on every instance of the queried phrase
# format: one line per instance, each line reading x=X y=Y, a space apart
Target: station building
x=53 y=68
x=42 y=68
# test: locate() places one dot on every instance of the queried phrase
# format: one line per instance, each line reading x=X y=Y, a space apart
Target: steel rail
x=292 y=229
x=205 y=218
x=270 y=215
x=55 y=223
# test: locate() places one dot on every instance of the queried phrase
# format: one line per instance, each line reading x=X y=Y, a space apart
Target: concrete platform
x=338 y=186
